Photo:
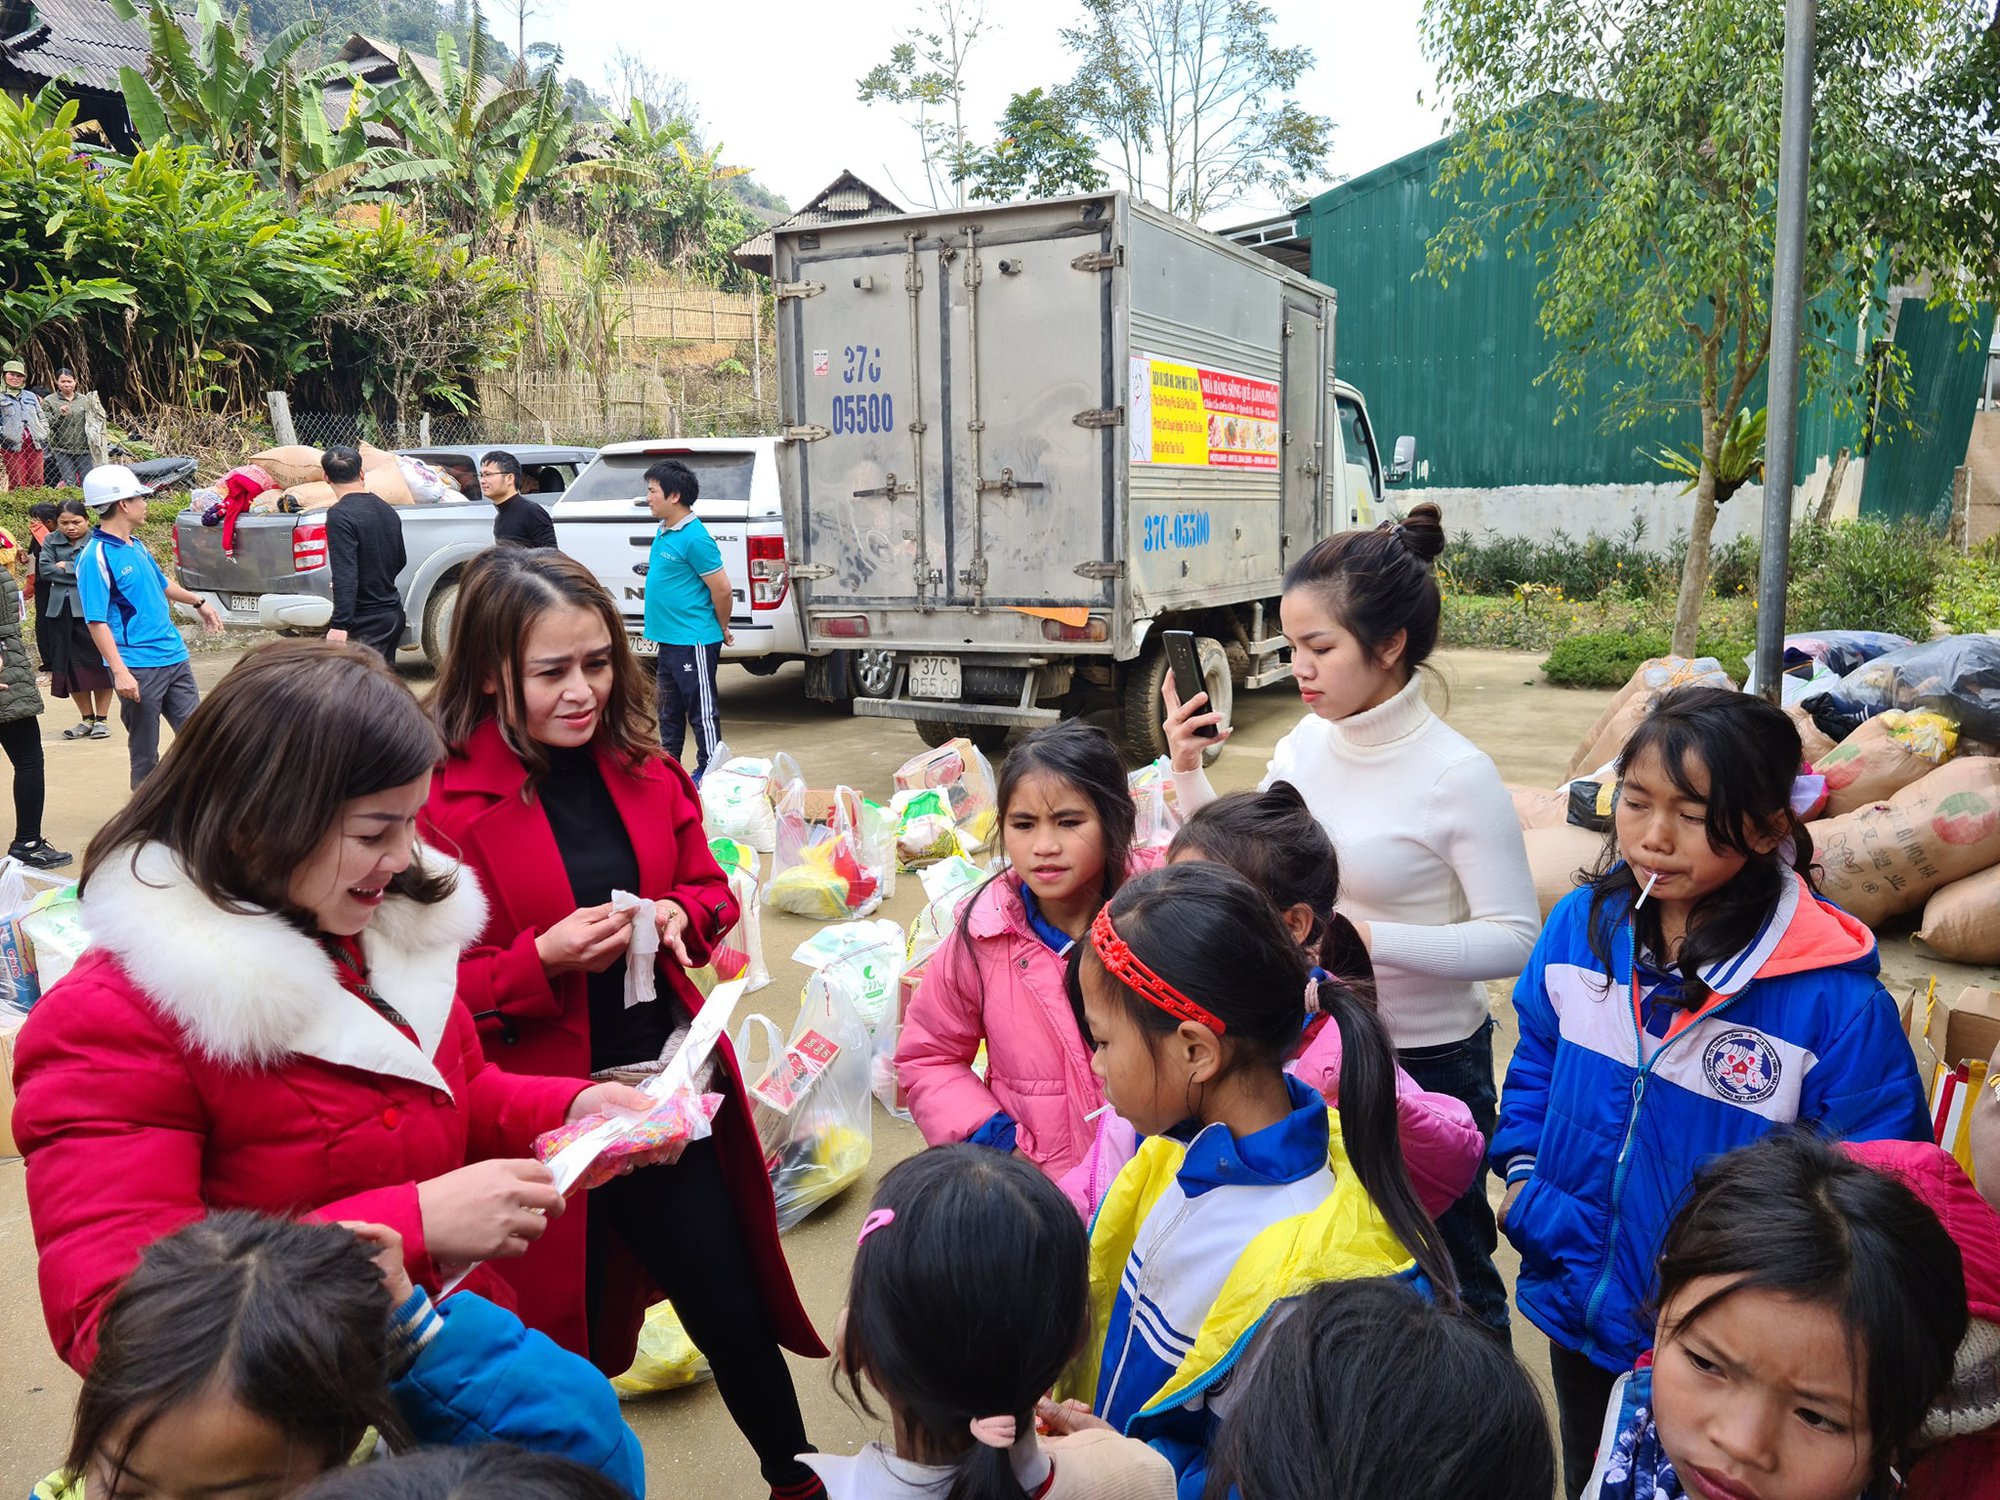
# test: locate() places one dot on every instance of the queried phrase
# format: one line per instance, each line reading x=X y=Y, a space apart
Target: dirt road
x=1498 y=699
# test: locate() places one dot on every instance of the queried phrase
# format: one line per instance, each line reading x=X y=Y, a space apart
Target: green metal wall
x=1455 y=365
x=1909 y=473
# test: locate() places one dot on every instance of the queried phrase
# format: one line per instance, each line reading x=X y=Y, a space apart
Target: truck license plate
x=935 y=677
x=243 y=604
x=643 y=647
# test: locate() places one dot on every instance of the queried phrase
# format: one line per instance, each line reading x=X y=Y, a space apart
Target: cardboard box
x=1947 y=1033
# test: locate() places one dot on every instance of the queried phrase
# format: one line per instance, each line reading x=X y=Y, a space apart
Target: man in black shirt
x=364 y=548
x=517 y=520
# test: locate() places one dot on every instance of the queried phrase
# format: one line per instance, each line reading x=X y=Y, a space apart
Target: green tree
x=1195 y=98
x=926 y=73
x=1042 y=151
x=1633 y=147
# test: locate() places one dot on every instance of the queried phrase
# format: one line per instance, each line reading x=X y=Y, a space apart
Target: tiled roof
x=846 y=197
x=80 y=42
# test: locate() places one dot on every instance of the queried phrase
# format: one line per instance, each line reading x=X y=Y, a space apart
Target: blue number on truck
x=874 y=412
x=1187 y=528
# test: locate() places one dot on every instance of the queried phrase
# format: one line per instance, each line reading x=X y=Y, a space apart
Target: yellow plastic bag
x=667 y=1358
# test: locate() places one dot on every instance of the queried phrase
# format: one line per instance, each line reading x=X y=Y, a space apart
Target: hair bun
x=1421 y=530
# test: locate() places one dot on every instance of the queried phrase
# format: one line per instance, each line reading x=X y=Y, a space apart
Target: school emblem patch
x=1742 y=1067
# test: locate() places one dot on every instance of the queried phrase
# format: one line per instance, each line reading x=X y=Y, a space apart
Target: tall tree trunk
x=1694 y=574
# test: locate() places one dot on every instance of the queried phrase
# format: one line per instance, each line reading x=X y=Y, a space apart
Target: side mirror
x=1405 y=462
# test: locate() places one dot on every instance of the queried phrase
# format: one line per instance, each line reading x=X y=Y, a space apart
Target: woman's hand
x=388 y=1257
x=488 y=1210
x=1184 y=745
x=600 y=1098
x=672 y=920
x=591 y=938
x=1061 y=1419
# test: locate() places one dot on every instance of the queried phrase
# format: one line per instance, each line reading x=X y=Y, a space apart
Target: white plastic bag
x=811 y=1105
x=736 y=803
x=843 y=938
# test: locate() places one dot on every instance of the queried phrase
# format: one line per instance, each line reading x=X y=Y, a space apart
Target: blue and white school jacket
x=1611 y=1106
x=1197 y=1241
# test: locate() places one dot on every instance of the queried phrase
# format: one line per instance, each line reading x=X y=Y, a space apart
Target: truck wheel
x=1142 y=711
x=761 y=666
x=872 y=672
x=438 y=611
x=992 y=738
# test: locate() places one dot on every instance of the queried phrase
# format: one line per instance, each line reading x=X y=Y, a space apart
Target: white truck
x=1021 y=441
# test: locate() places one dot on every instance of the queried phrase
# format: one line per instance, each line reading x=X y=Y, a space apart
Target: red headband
x=1127 y=966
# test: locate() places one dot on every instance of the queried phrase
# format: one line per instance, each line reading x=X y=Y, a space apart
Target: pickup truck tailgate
x=263 y=559
x=604 y=522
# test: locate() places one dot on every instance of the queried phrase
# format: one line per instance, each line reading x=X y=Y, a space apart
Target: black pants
x=1583 y=1391
x=685 y=679
x=1464 y=1070
x=681 y=1224
x=21 y=739
x=382 y=632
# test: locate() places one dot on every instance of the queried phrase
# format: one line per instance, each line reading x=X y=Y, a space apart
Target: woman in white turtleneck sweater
x=1433 y=871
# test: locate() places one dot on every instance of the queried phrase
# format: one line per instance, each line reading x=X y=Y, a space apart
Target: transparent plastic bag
x=736 y=803
x=666 y=1358
x=740 y=953
x=811 y=1106
x=818 y=869
x=1155 y=804
x=963 y=774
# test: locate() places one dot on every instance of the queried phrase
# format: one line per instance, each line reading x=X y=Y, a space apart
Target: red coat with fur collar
x=199 y=1059
x=532 y=1022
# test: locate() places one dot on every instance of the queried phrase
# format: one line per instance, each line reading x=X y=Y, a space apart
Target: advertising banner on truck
x=1205 y=419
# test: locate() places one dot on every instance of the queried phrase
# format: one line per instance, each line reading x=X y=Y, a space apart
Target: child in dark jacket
x=1698 y=995
x=246 y=1347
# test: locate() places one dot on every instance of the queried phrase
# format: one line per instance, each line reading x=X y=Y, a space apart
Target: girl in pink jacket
x=1066 y=819
x=1272 y=839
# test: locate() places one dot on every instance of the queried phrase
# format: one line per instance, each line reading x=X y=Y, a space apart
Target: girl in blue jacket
x=249 y=1355
x=1696 y=995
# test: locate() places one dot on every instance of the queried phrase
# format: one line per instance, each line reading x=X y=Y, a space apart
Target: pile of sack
x=294 y=474
x=1910 y=817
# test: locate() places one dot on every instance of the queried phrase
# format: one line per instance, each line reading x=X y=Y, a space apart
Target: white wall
x=1539 y=511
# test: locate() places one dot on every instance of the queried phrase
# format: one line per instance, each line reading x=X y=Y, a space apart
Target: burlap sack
x=373 y=458
x=1607 y=737
x=1579 y=761
x=388 y=482
x=1962 y=920
x=1555 y=855
x=318 y=495
x=1536 y=808
x=296 y=464
x=1871 y=765
x=1885 y=859
x=1813 y=741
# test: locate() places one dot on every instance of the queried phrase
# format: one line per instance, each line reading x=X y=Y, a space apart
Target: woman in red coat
x=265 y=1017
x=558 y=794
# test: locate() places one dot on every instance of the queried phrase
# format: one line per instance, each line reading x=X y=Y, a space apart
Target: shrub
x=1488 y=563
x=1865 y=575
x=1608 y=658
x=1967 y=597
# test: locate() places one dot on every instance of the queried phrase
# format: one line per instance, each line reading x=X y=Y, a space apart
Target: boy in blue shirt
x=687 y=612
x=125 y=603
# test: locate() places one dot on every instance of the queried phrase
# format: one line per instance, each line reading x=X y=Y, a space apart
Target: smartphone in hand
x=1182 y=662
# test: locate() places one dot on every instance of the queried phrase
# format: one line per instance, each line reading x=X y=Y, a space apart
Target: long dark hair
x=1378 y=582
x=1750 y=751
x=487 y=1471
x=1393 y=1396
x=500 y=595
x=252 y=785
x=966 y=1302
x=1272 y=839
x=1794 y=1216
x=1217 y=939
x=292 y=1319
x=1084 y=756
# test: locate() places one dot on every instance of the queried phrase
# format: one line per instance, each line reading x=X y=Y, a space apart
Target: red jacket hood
x=1932 y=1174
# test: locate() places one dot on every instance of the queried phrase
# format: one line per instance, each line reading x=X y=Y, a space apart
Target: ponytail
x=1370 y=1129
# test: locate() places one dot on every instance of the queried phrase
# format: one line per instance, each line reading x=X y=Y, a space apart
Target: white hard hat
x=109 y=483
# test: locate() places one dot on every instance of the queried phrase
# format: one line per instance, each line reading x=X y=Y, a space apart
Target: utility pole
x=1787 y=312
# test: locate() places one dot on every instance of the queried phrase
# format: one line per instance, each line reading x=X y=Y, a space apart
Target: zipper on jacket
x=1594 y=1303
x=1139 y=1284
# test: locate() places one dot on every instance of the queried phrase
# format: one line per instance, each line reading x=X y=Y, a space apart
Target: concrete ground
x=1498 y=699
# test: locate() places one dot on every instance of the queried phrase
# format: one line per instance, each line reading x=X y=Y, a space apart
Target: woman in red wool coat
x=265 y=1017
x=557 y=793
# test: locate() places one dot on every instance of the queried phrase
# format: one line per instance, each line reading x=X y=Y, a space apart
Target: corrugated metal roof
x=846 y=197
x=80 y=42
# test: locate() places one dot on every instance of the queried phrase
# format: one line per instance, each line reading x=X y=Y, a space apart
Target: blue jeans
x=1464 y=1070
